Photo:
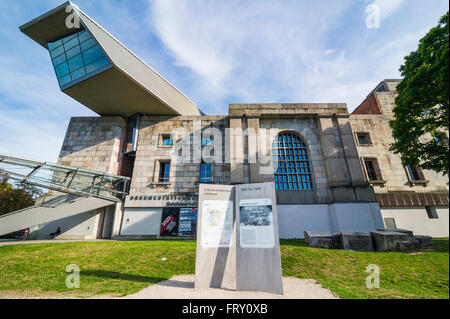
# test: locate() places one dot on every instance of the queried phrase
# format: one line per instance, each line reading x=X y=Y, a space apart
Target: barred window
x=291 y=162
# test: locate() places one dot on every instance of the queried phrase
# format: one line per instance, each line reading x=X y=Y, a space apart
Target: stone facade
x=184 y=176
x=94 y=143
x=418 y=203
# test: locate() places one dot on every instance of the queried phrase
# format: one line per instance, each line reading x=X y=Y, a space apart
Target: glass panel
x=87 y=44
x=72 y=52
x=84 y=35
x=71 y=44
x=70 y=37
x=62 y=69
x=75 y=63
x=54 y=45
x=65 y=80
x=68 y=56
x=92 y=54
x=77 y=74
x=59 y=59
x=97 y=65
x=57 y=51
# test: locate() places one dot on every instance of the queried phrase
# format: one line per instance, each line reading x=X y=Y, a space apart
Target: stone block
x=409 y=244
x=398 y=230
x=319 y=239
x=387 y=240
x=425 y=240
x=357 y=241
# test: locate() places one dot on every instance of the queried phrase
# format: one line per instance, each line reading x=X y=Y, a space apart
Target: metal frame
x=100 y=185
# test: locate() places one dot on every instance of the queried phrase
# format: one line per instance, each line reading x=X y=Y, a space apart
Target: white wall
x=141 y=221
x=416 y=219
x=293 y=220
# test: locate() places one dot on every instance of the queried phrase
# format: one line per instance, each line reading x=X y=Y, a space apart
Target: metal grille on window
x=291 y=162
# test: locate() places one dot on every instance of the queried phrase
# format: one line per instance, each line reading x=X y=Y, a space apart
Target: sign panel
x=187 y=226
x=215 y=262
x=256 y=223
x=217 y=223
x=169 y=222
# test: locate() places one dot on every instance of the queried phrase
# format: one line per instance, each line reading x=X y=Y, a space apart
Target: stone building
x=409 y=197
x=316 y=154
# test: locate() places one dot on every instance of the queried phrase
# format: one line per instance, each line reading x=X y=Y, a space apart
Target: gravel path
x=182 y=287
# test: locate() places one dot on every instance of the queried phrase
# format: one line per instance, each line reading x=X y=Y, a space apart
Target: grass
x=122 y=268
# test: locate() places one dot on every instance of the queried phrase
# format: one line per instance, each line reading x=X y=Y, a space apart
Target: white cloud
x=388 y=7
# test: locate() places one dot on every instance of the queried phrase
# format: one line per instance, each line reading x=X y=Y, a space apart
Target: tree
x=422 y=105
x=16 y=197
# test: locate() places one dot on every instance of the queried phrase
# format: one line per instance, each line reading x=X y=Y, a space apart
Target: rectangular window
x=363 y=138
x=372 y=169
x=431 y=212
x=167 y=140
x=205 y=173
x=164 y=171
x=414 y=173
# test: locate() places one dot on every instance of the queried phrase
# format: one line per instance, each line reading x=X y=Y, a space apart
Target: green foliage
x=18 y=197
x=422 y=105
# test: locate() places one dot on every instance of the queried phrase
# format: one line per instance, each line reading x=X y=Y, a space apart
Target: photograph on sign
x=256 y=223
x=217 y=223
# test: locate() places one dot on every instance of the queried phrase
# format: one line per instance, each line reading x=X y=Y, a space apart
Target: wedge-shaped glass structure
x=76 y=57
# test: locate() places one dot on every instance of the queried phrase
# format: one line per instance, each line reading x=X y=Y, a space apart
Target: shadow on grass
x=121 y=276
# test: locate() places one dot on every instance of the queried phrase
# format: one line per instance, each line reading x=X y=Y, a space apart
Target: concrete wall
x=293 y=220
x=141 y=221
x=81 y=226
x=416 y=219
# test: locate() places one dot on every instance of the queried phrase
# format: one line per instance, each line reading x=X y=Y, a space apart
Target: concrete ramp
x=52 y=207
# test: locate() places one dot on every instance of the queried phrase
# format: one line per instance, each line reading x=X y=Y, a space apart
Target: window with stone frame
x=372 y=169
x=363 y=138
x=164 y=171
x=291 y=163
x=415 y=173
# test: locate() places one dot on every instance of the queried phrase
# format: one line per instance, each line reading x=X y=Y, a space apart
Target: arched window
x=291 y=163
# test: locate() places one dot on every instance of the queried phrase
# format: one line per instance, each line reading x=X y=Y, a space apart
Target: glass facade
x=291 y=162
x=76 y=56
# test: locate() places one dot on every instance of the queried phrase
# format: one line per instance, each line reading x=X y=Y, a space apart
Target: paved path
x=182 y=287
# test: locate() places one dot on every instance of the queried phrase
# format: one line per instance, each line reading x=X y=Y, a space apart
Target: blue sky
x=215 y=52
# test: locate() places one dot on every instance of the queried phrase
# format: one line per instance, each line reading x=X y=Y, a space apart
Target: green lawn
x=121 y=268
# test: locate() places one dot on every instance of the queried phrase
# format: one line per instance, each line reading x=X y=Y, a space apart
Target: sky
x=215 y=52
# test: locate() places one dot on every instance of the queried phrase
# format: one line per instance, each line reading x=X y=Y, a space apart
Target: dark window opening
x=415 y=173
x=372 y=168
x=363 y=138
x=164 y=171
x=431 y=212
